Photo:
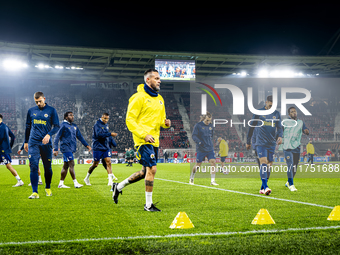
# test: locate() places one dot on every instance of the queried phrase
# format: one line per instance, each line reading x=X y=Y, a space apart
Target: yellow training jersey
x=310 y=148
x=145 y=116
x=224 y=148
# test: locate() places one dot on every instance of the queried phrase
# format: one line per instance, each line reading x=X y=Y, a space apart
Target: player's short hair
x=208 y=114
x=66 y=114
x=270 y=98
x=148 y=72
x=38 y=94
x=106 y=114
x=292 y=107
x=1 y=116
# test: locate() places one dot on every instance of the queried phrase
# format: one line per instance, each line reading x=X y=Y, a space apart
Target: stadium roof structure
x=103 y=64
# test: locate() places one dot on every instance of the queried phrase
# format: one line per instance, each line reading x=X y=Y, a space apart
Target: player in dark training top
x=41 y=124
x=6 y=145
x=268 y=127
x=68 y=135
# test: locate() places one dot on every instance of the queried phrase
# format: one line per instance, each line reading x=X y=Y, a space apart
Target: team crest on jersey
x=274 y=117
x=210 y=128
x=160 y=101
x=288 y=157
x=75 y=128
x=46 y=115
x=152 y=156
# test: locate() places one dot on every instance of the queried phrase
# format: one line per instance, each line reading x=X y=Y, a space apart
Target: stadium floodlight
x=43 y=66
x=263 y=73
x=40 y=66
x=242 y=74
x=279 y=73
x=13 y=65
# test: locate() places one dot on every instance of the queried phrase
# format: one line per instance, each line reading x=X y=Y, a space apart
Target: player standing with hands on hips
x=144 y=118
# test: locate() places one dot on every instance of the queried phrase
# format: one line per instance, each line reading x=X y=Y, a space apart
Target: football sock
x=148 y=199
x=61 y=182
x=40 y=180
x=263 y=174
x=88 y=176
x=48 y=174
x=213 y=177
x=290 y=174
x=110 y=177
x=18 y=178
x=34 y=181
x=122 y=184
x=290 y=181
x=75 y=181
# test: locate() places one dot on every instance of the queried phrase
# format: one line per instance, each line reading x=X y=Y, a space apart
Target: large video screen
x=176 y=70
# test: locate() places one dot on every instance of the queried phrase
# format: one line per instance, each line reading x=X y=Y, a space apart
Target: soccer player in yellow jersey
x=224 y=148
x=144 y=118
x=310 y=152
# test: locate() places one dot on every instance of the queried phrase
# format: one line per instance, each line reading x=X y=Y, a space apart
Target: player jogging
x=38 y=142
x=101 y=148
x=203 y=137
x=144 y=118
x=6 y=149
x=68 y=135
x=267 y=126
x=291 y=144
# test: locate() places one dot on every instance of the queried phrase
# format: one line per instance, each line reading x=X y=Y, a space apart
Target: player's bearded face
x=40 y=102
x=155 y=81
x=269 y=104
x=70 y=117
x=293 y=114
x=207 y=120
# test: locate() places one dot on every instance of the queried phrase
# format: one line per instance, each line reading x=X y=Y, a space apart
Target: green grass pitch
x=86 y=220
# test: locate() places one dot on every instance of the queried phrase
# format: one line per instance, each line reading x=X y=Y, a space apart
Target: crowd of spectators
x=88 y=104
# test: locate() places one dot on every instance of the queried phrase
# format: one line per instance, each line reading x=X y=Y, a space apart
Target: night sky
x=169 y=26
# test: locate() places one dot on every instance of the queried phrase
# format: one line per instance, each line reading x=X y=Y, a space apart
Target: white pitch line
x=249 y=194
x=173 y=235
